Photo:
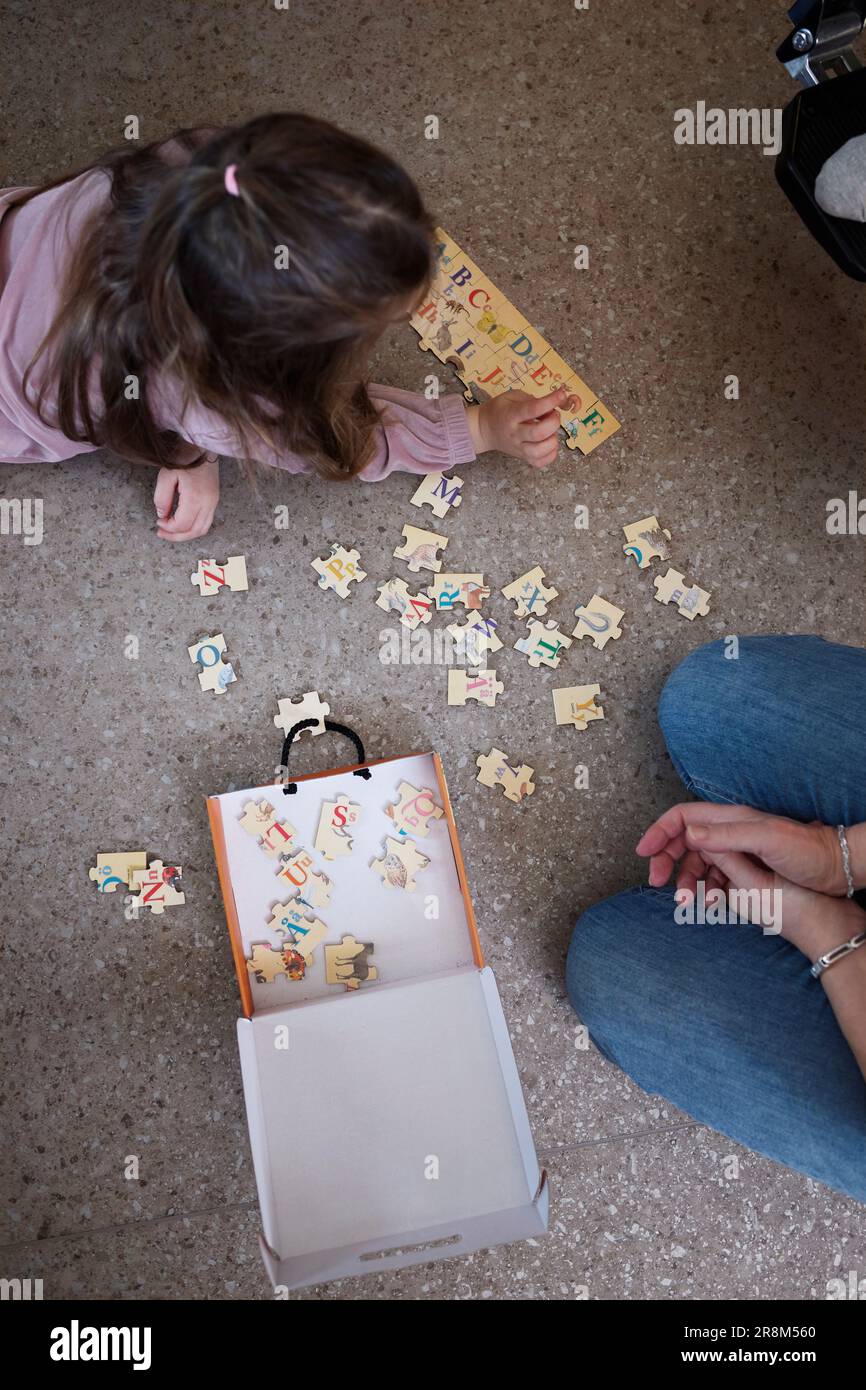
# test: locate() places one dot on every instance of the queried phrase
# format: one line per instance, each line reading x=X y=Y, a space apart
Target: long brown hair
x=263 y=306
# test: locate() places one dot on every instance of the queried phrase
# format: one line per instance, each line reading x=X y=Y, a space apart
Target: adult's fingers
x=674 y=822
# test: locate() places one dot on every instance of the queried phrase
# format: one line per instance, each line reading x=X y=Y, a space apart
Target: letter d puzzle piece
x=211 y=577
x=332 y=837
x=419 y=549
x=340 y=570
x=690 y=600
x=646 y=540
x=543 y=644
x=473 y=685
x=114 y=869
x=575 y=704
x=496 y=771
x=215 y=674
x=438 y=492
x=599 y=620
x=399 y=864
x=530 y=594
x=348 y=964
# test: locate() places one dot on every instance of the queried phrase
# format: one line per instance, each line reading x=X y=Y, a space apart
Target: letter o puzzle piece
x=215 y=673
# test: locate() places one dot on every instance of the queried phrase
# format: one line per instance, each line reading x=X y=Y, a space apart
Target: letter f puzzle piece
x=473 y=685
x=690 y=600
x=575 y=704
x=496 y=771
x=438 y=492
x=339 y=570
x=530 y=594
x=399 y=864
x=599 y=620
x=646 y=540
x=543 y=644
x=215 y=674
x=211 y=577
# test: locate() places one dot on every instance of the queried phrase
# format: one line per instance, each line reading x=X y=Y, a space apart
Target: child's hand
x=515 y=423
x=197 y=491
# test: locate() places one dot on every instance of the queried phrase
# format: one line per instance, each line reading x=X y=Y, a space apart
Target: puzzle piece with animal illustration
x=311 y=886
x=647 y=541
x=419 y=549
x=210 y=577
x=474 y=638
x=339 y=570
x=399 y=864
x=112 y=870
x=395 y=596
x=305 y=933
x=349 y=963
x=543 y=644
x=413 y=810
x=268 y=962
x=439 y=492
x=494 y=770
x=473 y=685
x=690 y=600
x=157 y=887
x=307 y=706
x=447 y=590
x=599 y=620
x=575 y=705
x=215 y=673
x=529 y=594
x=332 y=837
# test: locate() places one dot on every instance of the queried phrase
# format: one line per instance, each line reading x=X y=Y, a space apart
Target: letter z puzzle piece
x=307 y=706
x=575 y=704
x=114 y=869
x=267 y=962
x=646 y=540
x=395 y=596
x=419 y=549
x=215 y=674
x=438 y=492
x=332 y=837
x=474 y=639
x=543 y=644
x=211 y=577
x=399 y=864
x=348 y=964
x=304 y=933
x=414 y=810
x=599 y=620
x=496 y=771
x=158 y=887
x=690 y=600
x=447 y=590
x=339 y=570
x=530 y=594
x=473 y=685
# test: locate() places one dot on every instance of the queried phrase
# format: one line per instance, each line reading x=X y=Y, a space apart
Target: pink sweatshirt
x=36 y=241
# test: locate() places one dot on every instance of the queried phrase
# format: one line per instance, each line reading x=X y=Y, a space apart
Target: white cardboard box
x=387 y=1125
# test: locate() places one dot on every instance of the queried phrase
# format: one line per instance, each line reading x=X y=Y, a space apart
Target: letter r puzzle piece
x=599 y=620
x=447 y=590
x=530 y=594
x=543 y=644
x=473 y=685
x=496 y=771
x=210 y=577
x=439 y=492
x=419 y=549
x=646 y=540
x=339 y=570
x=575 y=704
x=690 y=600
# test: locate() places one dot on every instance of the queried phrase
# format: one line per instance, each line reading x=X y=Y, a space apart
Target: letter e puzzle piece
x=474 y=638
x=413 y=810
x=447 y=590
x=543 y=644
x=399 y=864
x=307 y=706
x=267 y=962
x=215 y=674
x=158 y=886
x=395 y=596
x=339 y=570
x=211 y=577
x=599 y=620
x=473 y=685
x=419 y=549
x=530 y=594
x=438 y=492
x=496 y=771
x=689 y=599
x=646 y=540
x=575 y=704
x=348 y=963
x=113 y=869
x=332 y=837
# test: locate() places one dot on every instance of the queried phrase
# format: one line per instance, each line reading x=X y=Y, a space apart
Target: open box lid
x=388 y=1119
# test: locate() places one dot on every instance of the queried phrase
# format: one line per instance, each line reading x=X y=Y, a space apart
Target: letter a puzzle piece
x=332 y=837
x=305 y=933
x=339 y=570
x=399 y=864
x=599 y=620
x=395 y=596
x=158 y=886
x=414 y=810
x=575 y=704
x=447 y=590
x=690 y=600
x=267 y=962
x=530 y=594
x=646 y=540
x=114 y=869
x=347 y=964
x=438 y=492
x=419 y=549
x=475 y=638
x=211 y=577
x=215 y=674
x=309 y=706
x=496 y=771
x=473 y=685
x=543 y=644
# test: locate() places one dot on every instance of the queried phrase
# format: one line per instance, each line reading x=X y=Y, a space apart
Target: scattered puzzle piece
x=438 y=492
x=543 y=644
x=114 y=869
x=267 y=962
x=215 y=674
x=447 y=590
x=599 y=620
x=339 y=570
x=473 y=685
x=496 y=771
x=414 y=810
x=395 y=596
x=347 y=964
x=419 y=549
x=157 y=886
x=474 y=639
x=308 y=706
x=575 y=704
x=690 y=600
x=211 y=577
x=304 y=933
x=399 y=864
x=332 y=837
x=646 y=540
x=530 y=594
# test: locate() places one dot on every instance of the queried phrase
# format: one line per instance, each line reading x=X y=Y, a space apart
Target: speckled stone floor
x=556 y=129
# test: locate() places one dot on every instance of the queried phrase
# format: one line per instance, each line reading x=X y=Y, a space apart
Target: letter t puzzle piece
x=690 y=600
x=339 y=570
x=496 y=771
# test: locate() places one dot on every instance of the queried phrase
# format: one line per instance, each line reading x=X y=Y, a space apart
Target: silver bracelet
x=846 y=859
x=824 y=962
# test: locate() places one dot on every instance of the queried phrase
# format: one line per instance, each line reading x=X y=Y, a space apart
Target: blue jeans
x=723 y=1021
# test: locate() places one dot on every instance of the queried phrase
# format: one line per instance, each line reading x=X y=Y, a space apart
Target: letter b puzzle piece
x=419 y=549
x=339 y=570
x=496 y=771
x=348 y=964
x=646 y=540
x=438 y=492
x=113 y=869
x=599 y=620
x=530 y=594
x=215 y=674
x=473 y=685
x=332 y=837
x=575 y=704
x=690 y=600
x=211 y=577
x=414 y=810
x=399 y=864
x=543 y=644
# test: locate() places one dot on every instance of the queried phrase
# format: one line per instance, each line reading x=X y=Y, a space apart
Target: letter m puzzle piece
x=339 y=570
x=438 y=492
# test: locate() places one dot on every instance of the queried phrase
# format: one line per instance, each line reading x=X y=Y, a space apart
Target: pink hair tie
x=231 y=180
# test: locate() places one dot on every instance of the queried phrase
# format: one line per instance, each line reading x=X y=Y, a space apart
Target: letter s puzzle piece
x=395 y=596
x=543 y=644
x=267 y=962
x=332 y=837
x=419 y=549
x=473 y=685
x=211 y=577
x=575 y=704
x=414 y=810
x=530 y=594
x=304 y=933
x=339 y=570
x=399 y=864
x=439 y=492
x=496 y=771
x=646 y=540
x=447 y=590
x=158 y=887
x=690 y=600
x=347 y=963
x=114 y=869
x=215 y=674
x=307 y=706
x=599 y=620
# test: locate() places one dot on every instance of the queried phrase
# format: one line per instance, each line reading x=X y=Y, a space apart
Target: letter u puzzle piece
x=112 y=870
x=348 y=963
x=395 y=596
x=339 y=570
x=413 y=810
x=267 y=962
x=474 y=639
x=543 y=644
x=473 y=685
x=646 y=540
x=399 y=864
x=575 y=705
x=312 y=888
x=211 y=577
x=599 y=620
x=496 y=771
x=447 y=590
x=157 y=887
x=439 y=492
x=689 y=599
x=215 y=674
x=332 y=837
x=419 y=549
x=308 y=706
x=530 y=594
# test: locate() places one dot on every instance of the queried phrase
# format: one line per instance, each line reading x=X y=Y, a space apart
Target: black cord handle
x=332 y=728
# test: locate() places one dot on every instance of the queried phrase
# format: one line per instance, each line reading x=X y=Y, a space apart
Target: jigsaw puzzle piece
x=494 y=770
x=575 y=704
x=543 y=644
x=599 y=620
x=210 y=577
x=312 y=887
x=530 y=594
x=305 y=933
x=419 y=549
x=591 y=428
x=339 y=570
x=399 y=864
x=395 y=596
x=332 y=837
x=646 y=540
x=439 y=492
x=157 y=886
x=474 y=639
x=307 y=706
x=348 y=963
x=447 y=590
x=267 y=962
x=413 y=810
x=690 y=600
x=113 y=870
x=215 y=673
x=473 y=685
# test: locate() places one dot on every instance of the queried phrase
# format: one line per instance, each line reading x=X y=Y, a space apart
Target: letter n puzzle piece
x=543 y=644
x=646 y=540
x=690 y=600
x=211 y=577
x=267 y=962
x=308 y=706
x=473 y=685
x=414 y=810
x=348 y=963
x=395 y=596
x=496 y=771
x=474 y=638
x=599 y=620
x=438 y=492
x=530 y=594
x=339 y=570
x=215 y=674
x=399 y=864
x=304 y=933
x=419 y=549
x=114 y=869
x=575 y=704
x=158 y=886
x=332 y=837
